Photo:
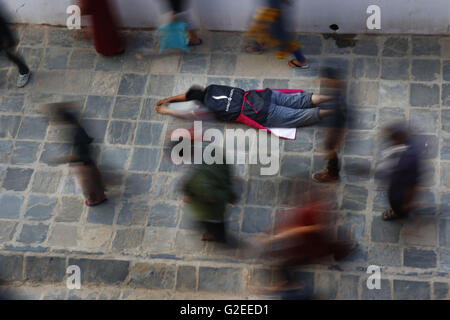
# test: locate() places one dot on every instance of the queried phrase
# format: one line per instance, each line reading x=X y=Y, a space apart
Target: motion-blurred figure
x=89 y=177
x=180 y=13
x=303 y=236
x=269 y=30
x=208 y=189
x=401 y=167
x=105 y=30
x=334 y=86
x=7 y=44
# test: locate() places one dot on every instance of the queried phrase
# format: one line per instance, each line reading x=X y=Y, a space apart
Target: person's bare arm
x=295 y=232
x=63 y=159
x=161 y=106
x=178 y=98
x=164 y=109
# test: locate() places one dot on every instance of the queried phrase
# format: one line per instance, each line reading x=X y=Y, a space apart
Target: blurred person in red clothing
x=105 y=29
x=303 y=236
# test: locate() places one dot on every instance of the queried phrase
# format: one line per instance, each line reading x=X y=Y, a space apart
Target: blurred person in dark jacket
x=401 y=167
x=86 y=170
x=333 y=85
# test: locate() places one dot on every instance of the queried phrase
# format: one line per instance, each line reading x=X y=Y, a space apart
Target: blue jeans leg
x=299 y=100
x=299 y=56
x=284 y=117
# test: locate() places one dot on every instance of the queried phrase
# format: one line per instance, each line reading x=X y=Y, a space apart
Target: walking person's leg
x=180 y=12
x=98 y=189
x=333 y=140
x=18 y=61
x=214 y=231
x=299 y=61
x=336 y=130
x=90 y=181
x=287 y=45
x=7 y=43
x=24 y=71
x=400 y=200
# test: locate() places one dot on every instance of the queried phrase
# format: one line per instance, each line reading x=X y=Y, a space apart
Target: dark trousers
x=7 y=43
x=333 y=165
x=397 y=199
x=279 y=29
x=216 y=229
x=18 y=61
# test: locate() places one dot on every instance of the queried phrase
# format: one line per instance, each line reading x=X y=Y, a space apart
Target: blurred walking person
x=333 y=86
x=180 y=13
x=303 y=236
x=105 y=28
x=86 y=170
x=269 y=30
x=208 y=190
x=401 y=167
x=7 y=44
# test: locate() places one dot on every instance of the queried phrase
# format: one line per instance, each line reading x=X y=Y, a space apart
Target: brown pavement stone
x=419 y=231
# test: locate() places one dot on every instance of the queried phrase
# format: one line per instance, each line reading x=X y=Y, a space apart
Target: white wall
x=397 y=16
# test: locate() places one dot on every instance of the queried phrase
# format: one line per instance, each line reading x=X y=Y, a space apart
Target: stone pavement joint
x=141 y=243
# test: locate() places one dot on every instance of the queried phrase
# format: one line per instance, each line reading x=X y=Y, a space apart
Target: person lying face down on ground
x=262 y=109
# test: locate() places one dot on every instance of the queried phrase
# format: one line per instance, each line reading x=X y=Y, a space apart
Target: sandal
x=292 y=64
x=89 y=203
x=390 y=215
x=192 y=44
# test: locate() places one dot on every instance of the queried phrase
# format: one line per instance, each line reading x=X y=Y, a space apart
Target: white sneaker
x=23 y=80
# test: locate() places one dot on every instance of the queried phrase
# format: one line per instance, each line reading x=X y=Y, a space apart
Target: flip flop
x=93 y=204
x=306 y=66
x=191 y=44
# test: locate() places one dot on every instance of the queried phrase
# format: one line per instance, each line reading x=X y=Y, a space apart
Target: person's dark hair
x=398 y=132
x=64 y=112
x=195 y=93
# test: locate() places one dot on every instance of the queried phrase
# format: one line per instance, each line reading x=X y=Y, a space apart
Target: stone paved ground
x=141 y=238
